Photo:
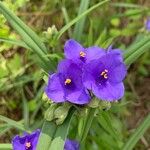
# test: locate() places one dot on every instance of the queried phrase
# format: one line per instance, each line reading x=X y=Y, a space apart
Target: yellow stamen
x=28 y=145
x=67 y=81
x=104 y=73
x=82 y=54
x=105 y=76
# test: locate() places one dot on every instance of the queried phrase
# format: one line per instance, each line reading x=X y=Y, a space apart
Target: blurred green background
x=21 y=80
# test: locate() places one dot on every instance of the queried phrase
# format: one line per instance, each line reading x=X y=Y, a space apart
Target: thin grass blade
x=139 y=132
x=66 y=27
x=5 y=147
x=28 y=36
x=77 y=34
x=14 y=42
x=12 y=123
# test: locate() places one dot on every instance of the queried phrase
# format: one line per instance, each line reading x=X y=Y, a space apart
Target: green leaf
x=15 y=21
x=77 y=34
x=139 y=132
x=137 y=49
x=28 y=36
x=105 y=121
x=25 y=110
x=66 y=27
x=14 y=42
x=127 y=5
x=66 y=17
x=61 y=133
x=134 y=56
x=5 y=147
x=4 y=128
x=87 y=124
x=48 y=130
x=12 y=123
x=51 y=133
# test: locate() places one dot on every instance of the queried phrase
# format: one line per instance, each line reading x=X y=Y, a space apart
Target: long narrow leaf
x=4 y=128
x=61 y=133
x=88 y=122
x=12 y=123
x=51 y=134
x=127 y=5
x=134 y=51
x=66 y=17
x=14 y=42
x=5 y=147
x=66 y=27
x=80 y=24
x=28 y=36
x=48 y=130
x=136 y=45
x=5 y=11
x=134 y=56
x=137 y=134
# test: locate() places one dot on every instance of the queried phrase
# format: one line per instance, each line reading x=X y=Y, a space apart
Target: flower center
x=28 y=145
x=104 y=74
x=67 y=81
x=82 y=54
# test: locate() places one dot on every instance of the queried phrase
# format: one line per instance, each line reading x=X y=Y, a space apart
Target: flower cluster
x=29 y=142
x=86 y=70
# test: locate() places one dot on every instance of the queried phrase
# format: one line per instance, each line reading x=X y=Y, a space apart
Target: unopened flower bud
x=49 y=114
x=82 y=112
x=51 y=31
x=104 y=105
x=94 y=103
x=61 y=113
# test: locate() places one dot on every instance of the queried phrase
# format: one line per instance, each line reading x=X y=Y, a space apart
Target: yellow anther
x=104 y=73
x=82 y=54
x=67 y=81
x=28 y=145
x=105 y=76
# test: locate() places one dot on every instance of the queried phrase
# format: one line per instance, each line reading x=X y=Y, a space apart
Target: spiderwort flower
x=147 y=24
x=71 y=145
x=26 y=142
x=104 y=76
x=66 y=84
x=79 y=54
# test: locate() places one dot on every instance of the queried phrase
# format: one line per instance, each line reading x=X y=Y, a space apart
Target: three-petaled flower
x=29 y=142
x=66 y=84
x=104 y=76
x=77 y=53
x=26 y=142
x=71 y=145
x=147 y=24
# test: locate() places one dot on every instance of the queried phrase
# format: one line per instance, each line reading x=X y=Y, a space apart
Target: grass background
x=21 y=80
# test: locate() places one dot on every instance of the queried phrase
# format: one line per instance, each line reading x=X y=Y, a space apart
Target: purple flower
x=71 y=145
x=66 y=84
x=79 y=54
x=26 y=142
x=104 y=76
x=147 y=24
